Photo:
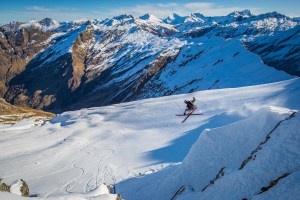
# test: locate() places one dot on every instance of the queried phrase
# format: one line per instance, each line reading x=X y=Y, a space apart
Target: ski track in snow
x=79 y=150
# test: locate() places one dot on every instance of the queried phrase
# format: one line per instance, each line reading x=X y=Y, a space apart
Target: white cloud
x=56 y=9
x=167 y=5
x=38 y=8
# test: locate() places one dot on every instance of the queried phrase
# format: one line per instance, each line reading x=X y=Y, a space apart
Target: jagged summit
x=150 y=17
x=79 y=21
x=118 y=20
x=123 y=17
x=273 y=14
x=198 y=15
x=244 y=13
x=174 y=19
x=45 y=24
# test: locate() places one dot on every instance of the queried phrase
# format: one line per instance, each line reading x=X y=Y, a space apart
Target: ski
x=188 y=115
x=180 y=115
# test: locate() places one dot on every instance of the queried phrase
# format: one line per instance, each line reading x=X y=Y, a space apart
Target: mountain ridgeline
x=59 y=66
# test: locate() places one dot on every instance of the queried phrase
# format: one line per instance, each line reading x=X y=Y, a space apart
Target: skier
x=189 y=105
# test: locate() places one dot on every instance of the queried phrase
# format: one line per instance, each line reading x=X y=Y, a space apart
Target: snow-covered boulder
x=101 y=189
x=20 y=187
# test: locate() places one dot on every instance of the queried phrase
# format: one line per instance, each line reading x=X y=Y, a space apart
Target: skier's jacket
x=190 y=104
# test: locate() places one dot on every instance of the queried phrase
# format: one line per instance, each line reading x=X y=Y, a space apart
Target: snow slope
x=78 y=151
x=233 y=162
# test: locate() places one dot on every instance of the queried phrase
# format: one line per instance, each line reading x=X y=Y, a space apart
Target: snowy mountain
x=84 y=63
x=280 y=51
x=46 y=24
x=174 y=19
x=246 y=145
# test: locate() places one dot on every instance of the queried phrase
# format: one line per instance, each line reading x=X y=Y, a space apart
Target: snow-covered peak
x=80 y=21
x=118 y=20
x=122 y=19
x=196 y=17
x=174 y=19
x=244 y=13
x=150 y=18
x=154 y=25
x=46 y=24
x=273 y=15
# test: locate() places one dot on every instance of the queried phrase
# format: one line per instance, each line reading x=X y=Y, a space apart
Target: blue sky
x=66 y=10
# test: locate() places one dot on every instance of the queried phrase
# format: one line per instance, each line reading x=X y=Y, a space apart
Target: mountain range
x=58 y=66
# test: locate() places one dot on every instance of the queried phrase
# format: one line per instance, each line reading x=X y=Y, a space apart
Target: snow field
x=78 y=151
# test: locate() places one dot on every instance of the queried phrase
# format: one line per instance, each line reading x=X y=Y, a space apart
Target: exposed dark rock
x=4 y=187
x=16 y=51
x=79 y=52
x=260 y=146
x=218 y=176
x=24 y=189
x=273 y=183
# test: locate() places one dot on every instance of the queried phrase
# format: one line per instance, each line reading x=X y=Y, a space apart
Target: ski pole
x=179 y=107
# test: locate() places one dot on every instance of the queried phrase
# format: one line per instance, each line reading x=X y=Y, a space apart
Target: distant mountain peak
x=174 y=19
x=243 y=13
x=45 y=24
x=274 y=14
x=47 y=21
x=149 y=17
x=48 y=24
x=80 y=21
x=123 y=17
x=198 y=15
x=174 y=15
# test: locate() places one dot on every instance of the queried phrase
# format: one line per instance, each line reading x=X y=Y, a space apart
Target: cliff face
x=79 y=55
x=16 y=51
x=50 y=77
